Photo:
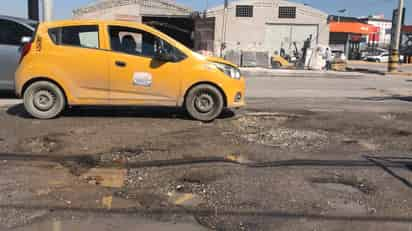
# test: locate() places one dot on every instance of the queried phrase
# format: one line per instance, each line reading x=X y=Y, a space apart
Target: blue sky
x=63 y=8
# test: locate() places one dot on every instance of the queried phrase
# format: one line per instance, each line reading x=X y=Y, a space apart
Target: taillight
x=25 y=50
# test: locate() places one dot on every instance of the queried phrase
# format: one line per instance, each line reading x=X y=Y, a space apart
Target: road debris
x=112 y=178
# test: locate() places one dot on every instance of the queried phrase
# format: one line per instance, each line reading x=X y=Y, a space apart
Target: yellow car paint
x=89 y=76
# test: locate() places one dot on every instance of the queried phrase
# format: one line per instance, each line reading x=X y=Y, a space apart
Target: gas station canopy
x=352 y=27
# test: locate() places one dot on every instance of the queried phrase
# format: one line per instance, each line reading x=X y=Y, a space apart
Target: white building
x=385 y=28
x=267 y=25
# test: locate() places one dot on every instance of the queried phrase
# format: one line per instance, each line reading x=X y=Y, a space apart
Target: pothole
x=145 y=199
x=121 y=155
x=288 y=138
x=43 y=144
x=342 y=206
x=268 y=129
x=345 y=185
x=389 y=117
x=199 y=177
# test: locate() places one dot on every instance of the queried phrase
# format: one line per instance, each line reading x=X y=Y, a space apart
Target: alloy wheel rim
x=44 y=100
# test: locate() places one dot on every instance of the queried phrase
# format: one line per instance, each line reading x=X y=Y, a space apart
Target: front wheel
x=44 y=100
x=204 y=102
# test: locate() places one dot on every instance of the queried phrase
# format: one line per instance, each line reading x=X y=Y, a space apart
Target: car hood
x=220 y=60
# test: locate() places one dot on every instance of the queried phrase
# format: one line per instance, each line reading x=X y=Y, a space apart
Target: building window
x=287 y=12
x=244 y=11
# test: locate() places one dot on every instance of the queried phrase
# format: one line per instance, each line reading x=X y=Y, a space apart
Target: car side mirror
x=25 y=39
x=164 y=57
x=161 y=54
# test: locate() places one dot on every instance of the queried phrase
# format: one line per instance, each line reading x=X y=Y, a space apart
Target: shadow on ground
x=119 y=112
x=365 y=70
x=385 y=98
x=7 y=95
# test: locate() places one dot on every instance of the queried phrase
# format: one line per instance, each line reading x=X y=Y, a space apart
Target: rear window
x=78 y=36
x=12 y=32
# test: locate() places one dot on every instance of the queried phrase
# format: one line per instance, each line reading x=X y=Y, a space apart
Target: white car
x=12 y=30
x=381 y=58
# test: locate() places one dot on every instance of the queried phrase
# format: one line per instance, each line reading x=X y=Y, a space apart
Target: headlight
x=229 y=70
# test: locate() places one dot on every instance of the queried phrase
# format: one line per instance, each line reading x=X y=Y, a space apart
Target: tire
x=204 y=102
x=44 y=100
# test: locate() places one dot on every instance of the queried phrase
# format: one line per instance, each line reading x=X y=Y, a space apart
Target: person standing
x=328 y=58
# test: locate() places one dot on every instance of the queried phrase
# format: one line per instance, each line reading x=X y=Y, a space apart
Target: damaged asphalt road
x=280 y=164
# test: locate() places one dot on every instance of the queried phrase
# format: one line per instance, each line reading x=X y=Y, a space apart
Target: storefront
x=351 y=36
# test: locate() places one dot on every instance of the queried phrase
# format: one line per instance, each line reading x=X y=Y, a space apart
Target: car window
x=12 y=32
x=79 y=36
x=137 y=42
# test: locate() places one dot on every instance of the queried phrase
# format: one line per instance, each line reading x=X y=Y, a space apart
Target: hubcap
x=44 y=100
x=204 y=103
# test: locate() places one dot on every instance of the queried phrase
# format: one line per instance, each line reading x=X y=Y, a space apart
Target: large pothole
x=269 y=129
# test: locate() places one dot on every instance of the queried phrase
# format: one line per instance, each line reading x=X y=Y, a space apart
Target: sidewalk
x=378 y=68
x=354 y=69
x=267 y=72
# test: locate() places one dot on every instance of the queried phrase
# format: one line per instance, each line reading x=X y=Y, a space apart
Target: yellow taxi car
x=121 y=63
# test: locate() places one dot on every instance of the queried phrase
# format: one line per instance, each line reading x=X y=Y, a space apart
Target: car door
x=135 y=76
x=10 y=42
x=80 y=63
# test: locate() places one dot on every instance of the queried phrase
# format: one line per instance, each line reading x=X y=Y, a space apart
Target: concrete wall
x=250 y=33
x=125 y=12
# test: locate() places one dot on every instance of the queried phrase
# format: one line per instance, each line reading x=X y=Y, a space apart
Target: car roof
x=79 y=22
x=90 y=21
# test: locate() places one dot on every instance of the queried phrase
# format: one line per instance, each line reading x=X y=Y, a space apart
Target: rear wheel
x=44 y=100
x=204 y=102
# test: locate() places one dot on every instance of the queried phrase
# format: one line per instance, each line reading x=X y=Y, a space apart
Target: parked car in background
x=379 y=58
x=372 y=51
x=338 y=55
x=121 y=63
x=12 y=31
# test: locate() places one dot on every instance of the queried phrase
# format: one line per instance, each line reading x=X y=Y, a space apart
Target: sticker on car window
x=142 y=79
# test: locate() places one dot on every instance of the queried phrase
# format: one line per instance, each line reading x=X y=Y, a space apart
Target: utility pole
x=47 y=10
x=33 y=8
x=393 y=64
x=224 y=27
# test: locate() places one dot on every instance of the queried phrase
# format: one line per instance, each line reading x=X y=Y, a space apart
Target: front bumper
x=236 y=94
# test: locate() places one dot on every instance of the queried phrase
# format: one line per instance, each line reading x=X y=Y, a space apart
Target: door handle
x=120 y=64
